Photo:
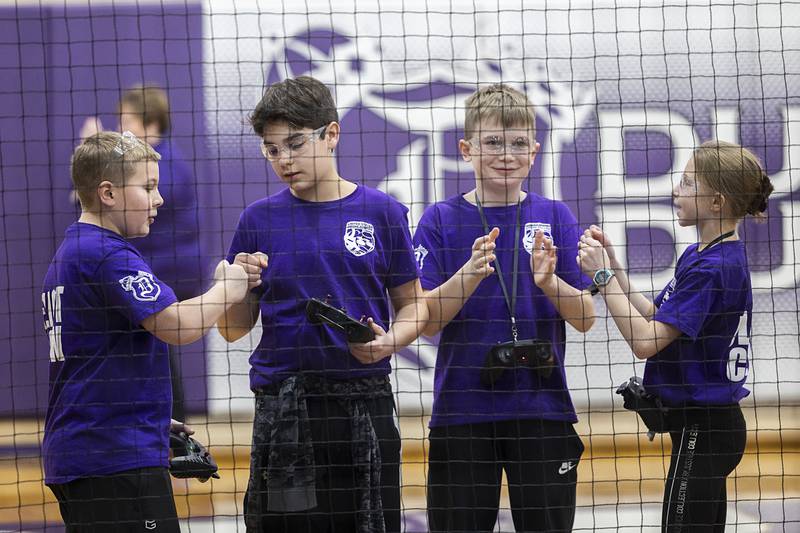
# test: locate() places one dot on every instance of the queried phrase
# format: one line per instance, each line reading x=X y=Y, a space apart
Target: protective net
x=623 y=92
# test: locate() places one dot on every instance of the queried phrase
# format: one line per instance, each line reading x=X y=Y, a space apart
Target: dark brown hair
x=302 y=102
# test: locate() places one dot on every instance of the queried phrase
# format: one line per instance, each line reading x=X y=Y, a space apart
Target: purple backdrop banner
x=623 y=90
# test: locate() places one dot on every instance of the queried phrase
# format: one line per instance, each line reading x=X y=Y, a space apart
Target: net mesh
x=623 y=92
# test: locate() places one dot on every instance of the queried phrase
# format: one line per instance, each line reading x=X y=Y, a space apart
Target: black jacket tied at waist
x=282 y=425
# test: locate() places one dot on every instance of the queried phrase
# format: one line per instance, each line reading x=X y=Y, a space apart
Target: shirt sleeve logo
x=670 y=290
x=142 y=285
x=359 y=237
x=420 y=252
x=530 y=232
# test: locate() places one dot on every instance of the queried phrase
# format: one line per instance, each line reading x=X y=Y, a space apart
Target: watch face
x=601 y=277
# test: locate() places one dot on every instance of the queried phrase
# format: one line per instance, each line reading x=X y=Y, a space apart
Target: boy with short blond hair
x=498 y=266
x=173 y=249
x=109 y=319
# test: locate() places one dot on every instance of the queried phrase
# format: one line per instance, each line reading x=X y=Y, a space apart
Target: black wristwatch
x=601 y=278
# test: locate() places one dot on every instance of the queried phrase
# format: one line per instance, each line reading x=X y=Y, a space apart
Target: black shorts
x=130 y=501
x=465 y=471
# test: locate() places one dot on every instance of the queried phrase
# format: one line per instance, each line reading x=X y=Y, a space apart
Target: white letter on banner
x=785 y=275
x=611 y=177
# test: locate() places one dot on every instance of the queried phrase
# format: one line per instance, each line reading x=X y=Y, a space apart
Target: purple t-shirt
x=349 y=251
x=443 y=243
x=710 y=300
x=110 y=394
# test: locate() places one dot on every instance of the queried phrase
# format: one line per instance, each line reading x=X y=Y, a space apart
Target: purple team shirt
x=110 y=394
x=710 y=300
x=349 y=251
x=443 y=243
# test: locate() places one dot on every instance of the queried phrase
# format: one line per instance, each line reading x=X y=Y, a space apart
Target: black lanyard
x=511 y=303
x=715 y=241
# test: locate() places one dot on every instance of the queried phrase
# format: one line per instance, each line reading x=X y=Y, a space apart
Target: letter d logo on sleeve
x=142 y=285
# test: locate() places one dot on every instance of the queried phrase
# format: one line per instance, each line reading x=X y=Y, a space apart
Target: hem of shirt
x=267 y=382
x=675 y=323
x=428 y=286
x=411 y=277
x=116 y=469
x=439 y=421
x=691 y=402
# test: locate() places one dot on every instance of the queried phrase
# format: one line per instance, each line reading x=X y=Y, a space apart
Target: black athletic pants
x=337 y=493
x=466 y=462
x=131 y=501
x=707 y=444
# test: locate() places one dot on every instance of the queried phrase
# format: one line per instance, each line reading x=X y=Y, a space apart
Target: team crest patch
x=142 y=285
x=359 y=237
x=420 y=252
x=530 y=231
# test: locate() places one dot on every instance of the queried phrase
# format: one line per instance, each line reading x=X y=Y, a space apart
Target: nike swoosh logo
x=566 y=467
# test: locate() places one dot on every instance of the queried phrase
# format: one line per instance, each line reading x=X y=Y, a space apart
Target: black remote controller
x=190 y=459
x=319 y=312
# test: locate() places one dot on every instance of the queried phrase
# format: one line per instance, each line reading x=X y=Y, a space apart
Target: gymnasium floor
x=620 y=477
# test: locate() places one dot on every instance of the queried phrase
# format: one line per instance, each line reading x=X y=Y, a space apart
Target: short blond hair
x=499 y=103
x=107 y=156
x=735 y=173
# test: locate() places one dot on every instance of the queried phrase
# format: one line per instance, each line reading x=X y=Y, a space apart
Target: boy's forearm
x=409 y=323
x=445 y=301
x=575 y=306
x=187 y=321
x=239 y=319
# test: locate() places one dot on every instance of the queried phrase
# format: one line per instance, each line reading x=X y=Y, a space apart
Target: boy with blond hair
x=173 y=248
x=500 y=394
x=109 y=320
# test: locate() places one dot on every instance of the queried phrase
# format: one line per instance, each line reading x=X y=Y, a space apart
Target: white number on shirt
x=738 y=363
x=51 y=307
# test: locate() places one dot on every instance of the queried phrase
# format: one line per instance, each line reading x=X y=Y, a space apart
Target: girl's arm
x=646 y=337
x=445 y=301
x=639 y=301
x=574 y=305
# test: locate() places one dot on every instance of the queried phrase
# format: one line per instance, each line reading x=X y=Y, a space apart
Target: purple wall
x=58 y=65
